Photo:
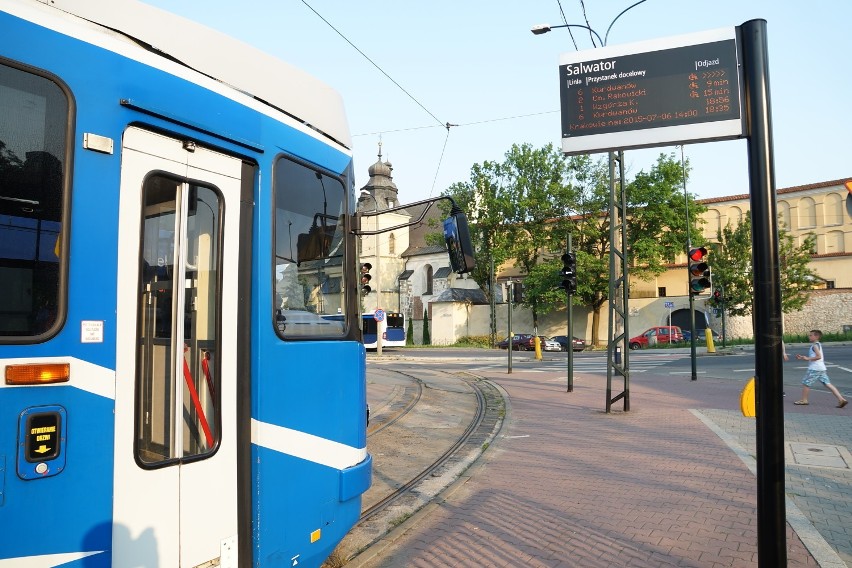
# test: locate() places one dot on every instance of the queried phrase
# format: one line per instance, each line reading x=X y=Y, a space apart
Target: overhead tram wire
x=588 y=25
x=441 y=159
x=446 y=125
x=565 y=21
x=376 y=65
x=474 y=123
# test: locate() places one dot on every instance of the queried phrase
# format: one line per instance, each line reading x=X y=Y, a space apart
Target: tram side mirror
x=457 y=237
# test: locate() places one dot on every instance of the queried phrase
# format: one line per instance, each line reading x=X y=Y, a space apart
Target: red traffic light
x=697 y=254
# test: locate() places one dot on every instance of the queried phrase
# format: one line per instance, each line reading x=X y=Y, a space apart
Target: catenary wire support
x=618 y=357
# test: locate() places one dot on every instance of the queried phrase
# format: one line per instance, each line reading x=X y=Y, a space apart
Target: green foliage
x=427 y=339
x=523 y=209
x=409 y=332
x=479 y=341
x=656 y=225
x=544 y=283
x=731 y=264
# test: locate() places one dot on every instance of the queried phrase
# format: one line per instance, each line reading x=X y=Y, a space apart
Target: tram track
x=423 y=415
x=399 y=407
x=478 y=417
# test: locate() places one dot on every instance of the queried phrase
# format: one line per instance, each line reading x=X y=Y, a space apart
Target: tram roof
x=279 y=84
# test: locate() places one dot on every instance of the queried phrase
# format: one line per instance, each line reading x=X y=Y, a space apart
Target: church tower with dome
x=382 y=251
x=380 y=186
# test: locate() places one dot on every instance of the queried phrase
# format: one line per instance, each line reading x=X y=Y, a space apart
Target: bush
x=474 y=341
x=409 y=333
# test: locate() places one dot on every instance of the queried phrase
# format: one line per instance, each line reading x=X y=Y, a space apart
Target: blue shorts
x=813 y=375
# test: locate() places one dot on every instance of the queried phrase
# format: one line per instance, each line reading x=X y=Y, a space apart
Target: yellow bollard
x=537 y=344
x=708 y=334
x=747 y=396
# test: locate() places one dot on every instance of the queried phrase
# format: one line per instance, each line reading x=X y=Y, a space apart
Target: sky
x=406 y=69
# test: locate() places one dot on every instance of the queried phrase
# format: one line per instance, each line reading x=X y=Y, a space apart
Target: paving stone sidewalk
x=666 y=484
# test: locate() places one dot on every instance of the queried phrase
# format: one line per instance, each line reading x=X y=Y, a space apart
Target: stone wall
x=827 y=310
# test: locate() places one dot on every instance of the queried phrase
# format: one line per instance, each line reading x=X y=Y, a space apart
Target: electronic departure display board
x=654 y=93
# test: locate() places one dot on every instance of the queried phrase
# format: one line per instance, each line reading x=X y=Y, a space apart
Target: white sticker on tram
x=45 y=561
x=306 y=446
x=84 y=375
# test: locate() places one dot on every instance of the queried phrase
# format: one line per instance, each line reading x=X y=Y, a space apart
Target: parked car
x=548 y=344
x=662 y=334
x=520 y=342
x=700 y=335
x=577 y=343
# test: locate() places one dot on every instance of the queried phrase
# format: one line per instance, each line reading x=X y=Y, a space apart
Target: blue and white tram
x=175 y=220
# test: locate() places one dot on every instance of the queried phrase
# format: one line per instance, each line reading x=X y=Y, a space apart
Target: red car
x=655 y=335
x=520 y=342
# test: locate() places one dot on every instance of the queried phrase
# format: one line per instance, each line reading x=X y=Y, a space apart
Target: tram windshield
x=309 y=251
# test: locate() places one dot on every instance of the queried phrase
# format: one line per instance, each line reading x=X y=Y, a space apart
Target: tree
x=538 y=199
x=656 y=225
x=427 y=339
x=485 y=203
x=524 y=209
x=732 y=271
x=515 y=207
x=409 y=332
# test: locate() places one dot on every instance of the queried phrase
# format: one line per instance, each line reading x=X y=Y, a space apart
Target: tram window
x=34 y=116
x=178 y=321
x=309 y=252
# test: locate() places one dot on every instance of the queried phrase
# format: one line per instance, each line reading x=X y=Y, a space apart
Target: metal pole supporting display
x=768 y=324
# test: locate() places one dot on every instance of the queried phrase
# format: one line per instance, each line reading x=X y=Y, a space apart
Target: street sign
x=669 y=305
x=653 y=93
x=379 y=314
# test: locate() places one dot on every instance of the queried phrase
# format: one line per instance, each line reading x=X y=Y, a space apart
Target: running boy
x=816 y=371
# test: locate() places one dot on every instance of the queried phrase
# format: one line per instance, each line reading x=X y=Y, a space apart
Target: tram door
x=175 y=500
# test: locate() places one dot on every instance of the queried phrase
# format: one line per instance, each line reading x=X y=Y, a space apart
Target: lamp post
x=543 y=28
x=379 y=324
x=624 y=332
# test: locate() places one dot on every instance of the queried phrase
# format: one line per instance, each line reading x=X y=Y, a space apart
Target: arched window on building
x=807 y=212
x=834 y=242
x=784 y=215
x=391 y=244
x=429 y=279
x=713 y=225
x=834 y=210
x=735 y=216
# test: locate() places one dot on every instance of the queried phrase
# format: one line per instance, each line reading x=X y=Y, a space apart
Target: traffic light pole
x=692 y=356
x=570 y=337
x=689 y=275
x=511 y=344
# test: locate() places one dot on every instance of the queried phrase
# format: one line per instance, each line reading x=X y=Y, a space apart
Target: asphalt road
x=735 y=364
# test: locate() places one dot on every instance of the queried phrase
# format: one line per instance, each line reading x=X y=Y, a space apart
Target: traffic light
x=365 y=278
x=517 y=292
x=699 y=271
x=569 y=272
x=717 y=296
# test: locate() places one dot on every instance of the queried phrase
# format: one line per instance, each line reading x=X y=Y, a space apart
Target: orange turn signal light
x=38 y=373
x=849 y=186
